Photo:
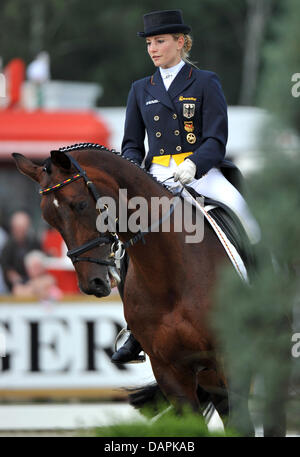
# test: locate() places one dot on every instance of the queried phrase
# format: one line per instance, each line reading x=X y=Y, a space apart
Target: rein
x=112 y=238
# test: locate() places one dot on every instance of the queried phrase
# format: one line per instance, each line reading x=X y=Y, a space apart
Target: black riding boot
x=129 y=352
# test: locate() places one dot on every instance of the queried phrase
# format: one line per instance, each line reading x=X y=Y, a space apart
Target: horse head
x=71 y=209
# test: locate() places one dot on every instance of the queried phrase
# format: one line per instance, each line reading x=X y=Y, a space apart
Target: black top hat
x=161 y=22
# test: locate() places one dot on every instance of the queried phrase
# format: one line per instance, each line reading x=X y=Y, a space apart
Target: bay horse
x=168 y=290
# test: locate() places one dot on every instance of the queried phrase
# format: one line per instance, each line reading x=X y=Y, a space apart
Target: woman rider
x=184 y=112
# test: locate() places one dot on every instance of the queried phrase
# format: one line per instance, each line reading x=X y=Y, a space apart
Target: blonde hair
x=188 y=43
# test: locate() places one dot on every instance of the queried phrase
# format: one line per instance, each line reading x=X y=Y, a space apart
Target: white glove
x=185 y=172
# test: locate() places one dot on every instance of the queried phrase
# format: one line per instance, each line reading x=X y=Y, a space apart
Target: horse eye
x=80 y=206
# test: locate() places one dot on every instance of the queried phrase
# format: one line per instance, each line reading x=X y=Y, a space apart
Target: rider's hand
x=185 y=172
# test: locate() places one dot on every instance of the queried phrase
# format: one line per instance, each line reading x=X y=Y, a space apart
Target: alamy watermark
x=296 y=86
x=296 y=347
x=159 y=214
x=2 y=86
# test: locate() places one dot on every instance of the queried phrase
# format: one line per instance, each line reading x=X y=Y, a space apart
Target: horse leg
x=178 y=385
x=213 y=383
x=221 y=403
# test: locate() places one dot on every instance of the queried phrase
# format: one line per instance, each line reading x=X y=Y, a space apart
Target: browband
x=61 y=184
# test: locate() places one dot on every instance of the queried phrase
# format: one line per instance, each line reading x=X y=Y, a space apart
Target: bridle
x=110 y=238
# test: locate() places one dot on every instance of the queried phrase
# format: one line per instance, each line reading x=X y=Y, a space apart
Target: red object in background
x=36 y=133
x=52 y=243
x=66 y=280
x=65 y=275
x=52 y=126
x=15 y=75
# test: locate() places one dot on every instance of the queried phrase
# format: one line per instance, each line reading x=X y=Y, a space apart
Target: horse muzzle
x=98 y=287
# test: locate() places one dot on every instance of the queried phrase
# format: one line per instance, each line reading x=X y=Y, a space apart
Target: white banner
x=68 y=345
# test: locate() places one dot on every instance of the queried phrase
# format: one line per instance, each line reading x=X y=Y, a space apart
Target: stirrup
x=140 y=358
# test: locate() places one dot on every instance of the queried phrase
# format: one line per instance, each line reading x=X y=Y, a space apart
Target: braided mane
x=82 y=146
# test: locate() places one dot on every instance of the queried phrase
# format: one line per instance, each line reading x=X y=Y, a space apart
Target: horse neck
x=118 y=178
x=119 y=173
x=113 y=173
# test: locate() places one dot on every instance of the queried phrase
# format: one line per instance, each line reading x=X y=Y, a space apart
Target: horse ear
x=60 y=159
x=26 y=166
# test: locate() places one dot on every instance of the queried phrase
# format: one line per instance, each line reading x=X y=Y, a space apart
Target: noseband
x=111 y=238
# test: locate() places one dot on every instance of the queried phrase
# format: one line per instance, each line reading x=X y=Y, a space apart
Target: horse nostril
x=96 y=282
x=99 y=287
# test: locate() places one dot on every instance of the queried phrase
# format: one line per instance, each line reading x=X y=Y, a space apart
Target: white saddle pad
x=230 y=249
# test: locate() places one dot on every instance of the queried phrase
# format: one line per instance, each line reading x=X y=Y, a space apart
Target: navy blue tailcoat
x=163 y=114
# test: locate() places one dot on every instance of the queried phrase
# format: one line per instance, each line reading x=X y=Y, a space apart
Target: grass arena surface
x=168 y=425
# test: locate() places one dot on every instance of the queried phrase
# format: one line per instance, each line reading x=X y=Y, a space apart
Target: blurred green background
x=96 y=40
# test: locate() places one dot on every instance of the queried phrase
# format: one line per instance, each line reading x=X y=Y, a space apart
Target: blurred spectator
x=19 y=243
x=15 y=75
x=38 y=72
x=40 y=284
